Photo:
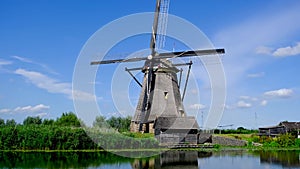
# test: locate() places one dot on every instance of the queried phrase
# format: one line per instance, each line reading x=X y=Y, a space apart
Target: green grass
x=247 y=137
x=138 y=135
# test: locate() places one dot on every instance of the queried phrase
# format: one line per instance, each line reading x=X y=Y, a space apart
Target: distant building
x=281 y=128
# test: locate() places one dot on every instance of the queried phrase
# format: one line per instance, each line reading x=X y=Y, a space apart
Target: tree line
x=34 y=133
x=68 y=133
x=239 y=130
x=69 y=119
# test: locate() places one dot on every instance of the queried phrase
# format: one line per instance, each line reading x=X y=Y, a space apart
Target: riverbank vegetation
x=69 y=133
x=282 y=141
x=37 y=134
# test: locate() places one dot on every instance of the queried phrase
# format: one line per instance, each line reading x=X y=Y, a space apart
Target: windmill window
x=166 y=95
x=181 y=113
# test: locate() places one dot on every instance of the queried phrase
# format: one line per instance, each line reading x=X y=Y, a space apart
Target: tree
x=119 y=123
x=100 y=122
x=2 y=122
x=241 y=128
x=68 y=119
x=48 y=122
x=32 y=121
x=11 y=122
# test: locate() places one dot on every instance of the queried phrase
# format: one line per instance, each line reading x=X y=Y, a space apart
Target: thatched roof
x=285 y=124
x=290 y=125
x=176 y=123
x=270 y=127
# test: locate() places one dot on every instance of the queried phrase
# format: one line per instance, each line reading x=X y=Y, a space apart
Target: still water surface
x=171 y=159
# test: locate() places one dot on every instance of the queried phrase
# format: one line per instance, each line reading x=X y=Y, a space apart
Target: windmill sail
x=160 y=95
x=162 y=24
x=154 y=28
x=165 y=56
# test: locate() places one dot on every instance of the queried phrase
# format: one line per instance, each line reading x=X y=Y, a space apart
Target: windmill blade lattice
x=162 y=24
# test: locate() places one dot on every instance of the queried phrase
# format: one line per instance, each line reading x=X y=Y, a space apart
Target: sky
x=40 y=42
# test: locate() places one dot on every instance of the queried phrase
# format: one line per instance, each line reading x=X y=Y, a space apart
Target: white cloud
x=5 y=110
x=248 y=98
x=281 y=93
x=245 y=97
x=225 y=106
x=197 y=106
x=34 y=109
x=26 y=60
x=287 y=51
x=83 y=96
x=42 y=115
x=264 y=50
x=44 y=82
x=256 y=75
x=273 y=27
x=243 y=104
x=5 y=62
x=54 y=86
x=22 y=59
x=40 y=108
x=254 y=99
x=263 y=102
x=280 y=52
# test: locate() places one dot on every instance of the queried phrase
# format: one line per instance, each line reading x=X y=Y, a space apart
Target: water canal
x=170 y=159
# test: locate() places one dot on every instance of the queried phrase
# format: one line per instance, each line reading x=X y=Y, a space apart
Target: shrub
x=286 y=140
x=274 y=144
x=217 y=146
x=297 y=142
x=255 y=138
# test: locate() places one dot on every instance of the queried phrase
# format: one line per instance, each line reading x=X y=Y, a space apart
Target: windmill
x=160 y=95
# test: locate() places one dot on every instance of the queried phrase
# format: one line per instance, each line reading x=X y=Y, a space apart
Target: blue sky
x=41 y=40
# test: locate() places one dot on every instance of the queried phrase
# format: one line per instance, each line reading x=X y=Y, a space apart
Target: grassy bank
x=282 y=142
